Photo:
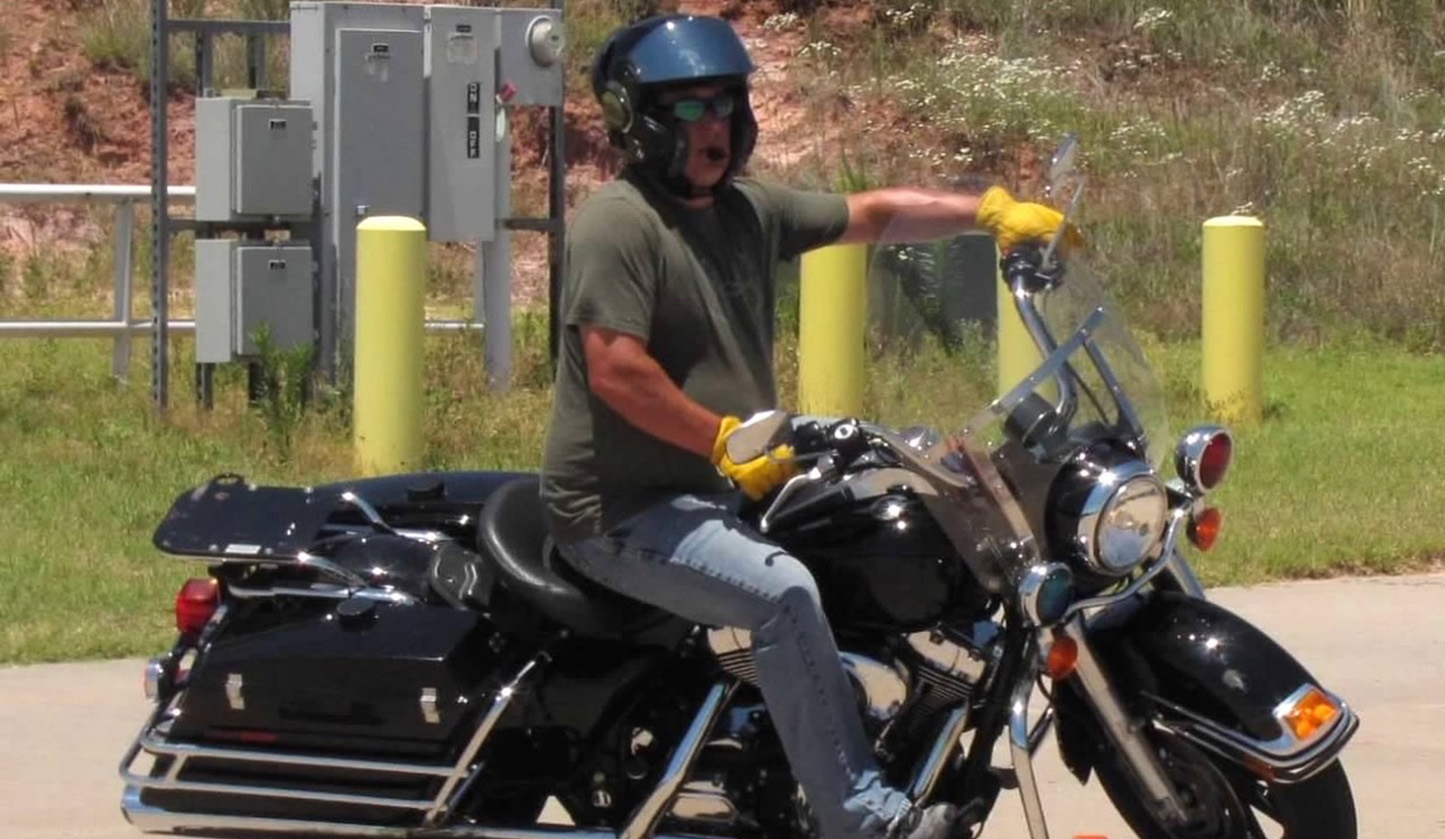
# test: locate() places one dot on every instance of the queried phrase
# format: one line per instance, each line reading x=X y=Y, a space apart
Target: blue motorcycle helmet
x=638 y=62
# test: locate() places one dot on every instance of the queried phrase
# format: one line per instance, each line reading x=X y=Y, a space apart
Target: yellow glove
x=1014 y=222
x=756 y=477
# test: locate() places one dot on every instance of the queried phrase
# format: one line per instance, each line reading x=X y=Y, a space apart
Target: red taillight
x=1215 y=461
x=1204 y=528
x=195 y=603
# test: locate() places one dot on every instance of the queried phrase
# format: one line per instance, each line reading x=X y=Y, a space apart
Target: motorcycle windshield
x=952 y=364
x=949 y=351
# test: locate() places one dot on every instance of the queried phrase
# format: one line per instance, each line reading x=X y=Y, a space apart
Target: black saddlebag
x=364 y=677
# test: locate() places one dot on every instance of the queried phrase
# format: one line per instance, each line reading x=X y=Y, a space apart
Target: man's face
x=709 y=136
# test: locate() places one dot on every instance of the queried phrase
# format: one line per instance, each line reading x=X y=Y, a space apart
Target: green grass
x=1324 y=118
x=88 y=469
x=1341 y=476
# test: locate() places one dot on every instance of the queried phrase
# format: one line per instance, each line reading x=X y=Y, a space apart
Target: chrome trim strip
x=151 y=819
x=1021 y=748
x=305 y=559
x=443 y=803
x=368 y=511
x=644 y=819
x=1171 y=537
x=290 y=794
x=1136 y=751
x=322 y=591
x=926 y=778
x=186 y=751
x=1285 y=759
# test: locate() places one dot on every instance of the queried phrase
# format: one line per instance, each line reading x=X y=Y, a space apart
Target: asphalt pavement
x=1378 y=642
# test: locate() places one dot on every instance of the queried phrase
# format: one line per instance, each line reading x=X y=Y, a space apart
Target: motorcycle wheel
x=1228 y=802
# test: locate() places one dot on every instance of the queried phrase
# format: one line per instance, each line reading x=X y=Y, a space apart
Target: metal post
x=495 y=262
x=206 y=385
x=557 y=209
x=205 y=62
x=255 y=61
x=124 y=286
x=833 y=312
x=160 y=208
x=388 y=392
x=1233 y=318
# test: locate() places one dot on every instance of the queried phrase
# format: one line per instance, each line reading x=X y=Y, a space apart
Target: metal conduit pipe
x=113 y=328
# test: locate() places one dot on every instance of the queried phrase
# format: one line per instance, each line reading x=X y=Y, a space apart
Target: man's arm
x=908 y=214
x=629 y=380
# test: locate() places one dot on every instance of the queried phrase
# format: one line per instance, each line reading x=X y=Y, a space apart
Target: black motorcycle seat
x=512 y=534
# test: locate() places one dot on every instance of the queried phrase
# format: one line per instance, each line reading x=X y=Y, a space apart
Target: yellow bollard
x=1233 y=317
x=387 y=392
x=832 y=308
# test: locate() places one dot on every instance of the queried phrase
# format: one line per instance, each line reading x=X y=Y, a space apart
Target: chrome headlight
x=1123 y=518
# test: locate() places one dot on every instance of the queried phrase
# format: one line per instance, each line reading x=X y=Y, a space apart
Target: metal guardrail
x=123 y=326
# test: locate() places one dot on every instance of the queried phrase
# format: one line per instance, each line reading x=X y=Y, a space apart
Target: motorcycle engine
x=882 y=688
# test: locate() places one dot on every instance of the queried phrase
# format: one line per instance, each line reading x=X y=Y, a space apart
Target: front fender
x=1210 y=660
x=1213 y=677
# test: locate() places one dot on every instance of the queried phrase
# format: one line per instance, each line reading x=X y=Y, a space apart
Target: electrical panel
x=530 y=45
x=461 y=124
x=245 y=290
x=361 y=67
x=253 y=159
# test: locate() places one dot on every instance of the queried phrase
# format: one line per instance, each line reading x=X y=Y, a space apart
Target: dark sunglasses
x=693 y=109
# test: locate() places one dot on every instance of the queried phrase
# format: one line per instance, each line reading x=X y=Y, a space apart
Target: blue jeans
x=694 y=557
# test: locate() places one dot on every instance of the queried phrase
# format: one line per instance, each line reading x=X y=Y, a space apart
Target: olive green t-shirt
x=697 y=286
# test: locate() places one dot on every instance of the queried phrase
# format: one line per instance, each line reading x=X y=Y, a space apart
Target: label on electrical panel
x=474 y=137
x=474 y=97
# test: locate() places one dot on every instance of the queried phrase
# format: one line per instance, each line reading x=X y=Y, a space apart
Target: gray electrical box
x=246 y=288
x=361 y=66
x=461 y=124
x=253 y=159
x=530 y=44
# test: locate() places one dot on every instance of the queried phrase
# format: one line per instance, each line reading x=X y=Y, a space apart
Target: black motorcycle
x=407 y=656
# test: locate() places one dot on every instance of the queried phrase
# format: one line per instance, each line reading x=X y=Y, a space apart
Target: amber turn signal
x=1063 y=656
x=1311 y=713
x=1204 y=527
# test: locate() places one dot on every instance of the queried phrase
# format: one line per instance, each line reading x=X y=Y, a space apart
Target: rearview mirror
x=758 y=435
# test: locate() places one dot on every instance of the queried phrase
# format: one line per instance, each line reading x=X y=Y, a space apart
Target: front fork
x=1125 y=733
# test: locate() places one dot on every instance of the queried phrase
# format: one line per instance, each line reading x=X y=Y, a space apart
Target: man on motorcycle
x=668 y=305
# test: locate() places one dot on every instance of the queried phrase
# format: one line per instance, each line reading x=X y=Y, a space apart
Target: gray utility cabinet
x=246 y=287
x=253 y=159
x=361 y=66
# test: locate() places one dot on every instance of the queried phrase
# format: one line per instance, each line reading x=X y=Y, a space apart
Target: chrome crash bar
x=153 y=741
